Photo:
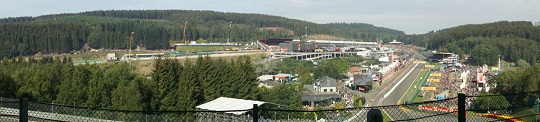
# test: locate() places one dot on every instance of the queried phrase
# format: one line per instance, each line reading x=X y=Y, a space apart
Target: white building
x=325 y=84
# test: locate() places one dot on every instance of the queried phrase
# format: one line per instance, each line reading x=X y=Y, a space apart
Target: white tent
x=226 y=104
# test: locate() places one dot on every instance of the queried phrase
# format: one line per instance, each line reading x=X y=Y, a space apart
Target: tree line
x=519 y=87
x=514 y=41
x=173 y=85
x=155 y=29
x=366 y=32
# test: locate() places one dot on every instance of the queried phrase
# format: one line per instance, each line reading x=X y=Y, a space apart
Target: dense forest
x=514 y=41
x=155 y=29
x=366 y=31
x=173 y=85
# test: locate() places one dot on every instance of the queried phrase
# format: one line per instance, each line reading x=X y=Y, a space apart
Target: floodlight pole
x=130 y=42
x=185 y=26
x=229 y=34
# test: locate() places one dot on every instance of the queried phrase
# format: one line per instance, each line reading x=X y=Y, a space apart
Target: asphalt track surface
x=400 y=88
x=379 y=94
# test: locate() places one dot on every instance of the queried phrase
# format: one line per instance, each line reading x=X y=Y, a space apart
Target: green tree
x=210 y=79
x=522 y=63
x=166 y=75
x=485 y=54
x=75 y=87
x=286 y=96
x=518 y=81
x=334 y=68
x=189 y=89
x=491 y=102
x=306 y=78
x=127 y=95
x=8 y=85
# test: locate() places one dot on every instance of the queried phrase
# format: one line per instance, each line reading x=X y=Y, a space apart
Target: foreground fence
x=489 y=107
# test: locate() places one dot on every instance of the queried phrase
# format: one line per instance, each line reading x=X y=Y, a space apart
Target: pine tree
x=189 y=88
x=167 y=75
x=127 y=95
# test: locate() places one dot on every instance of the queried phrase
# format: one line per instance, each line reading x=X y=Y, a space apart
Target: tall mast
x=185 y=25
x=130 y=42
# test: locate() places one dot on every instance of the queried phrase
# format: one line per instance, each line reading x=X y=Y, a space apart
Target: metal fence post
x=255 y=113
x=461 y=108
x=23 y=110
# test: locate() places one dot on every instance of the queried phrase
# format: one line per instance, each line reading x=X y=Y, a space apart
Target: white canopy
x=225 y=104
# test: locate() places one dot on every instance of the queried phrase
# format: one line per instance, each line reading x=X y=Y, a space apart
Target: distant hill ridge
x=154 y=29
x=516 y=40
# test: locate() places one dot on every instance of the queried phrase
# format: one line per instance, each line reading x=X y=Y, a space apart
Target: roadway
x=377 y=94
x=390 y=98
x=400 y=88
x=394 y=95
x=387 y=99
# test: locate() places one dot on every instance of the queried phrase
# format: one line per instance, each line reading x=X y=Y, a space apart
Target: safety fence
x=486 y=107
x=509 y=107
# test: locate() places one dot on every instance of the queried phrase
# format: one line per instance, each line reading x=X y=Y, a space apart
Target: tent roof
x=225 y=104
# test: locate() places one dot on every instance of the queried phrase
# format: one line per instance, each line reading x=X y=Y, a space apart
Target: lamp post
x=130 y=42
x=185 y=26
x=229 y=34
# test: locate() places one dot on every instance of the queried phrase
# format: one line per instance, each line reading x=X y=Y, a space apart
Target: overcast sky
x=410 y=16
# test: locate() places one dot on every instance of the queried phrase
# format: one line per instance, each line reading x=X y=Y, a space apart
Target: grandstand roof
x=225 y=104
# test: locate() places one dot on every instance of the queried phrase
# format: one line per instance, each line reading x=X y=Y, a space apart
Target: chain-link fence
x=71 y=113
x=9 y=109
x=508 y=107
x=442 y=110
x=486 y=107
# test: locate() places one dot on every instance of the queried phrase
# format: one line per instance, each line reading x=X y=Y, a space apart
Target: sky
x=410 y=16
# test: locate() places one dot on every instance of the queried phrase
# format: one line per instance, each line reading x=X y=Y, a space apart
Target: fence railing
x=490 y=107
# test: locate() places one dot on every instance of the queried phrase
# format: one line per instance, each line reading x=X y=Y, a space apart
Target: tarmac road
x=399 y=90
x=379 y=93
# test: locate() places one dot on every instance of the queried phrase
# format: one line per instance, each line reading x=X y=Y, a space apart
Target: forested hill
x=514 y=41
x=154 y=29
x=360 y=30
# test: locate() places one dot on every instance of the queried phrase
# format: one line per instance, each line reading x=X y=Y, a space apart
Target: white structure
x=111 y=57
x=384 y=59
x=325 y=84
x=364 y=53
x=225 y=103
x=265 y=77
x=391 y=66
x=394 y=42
